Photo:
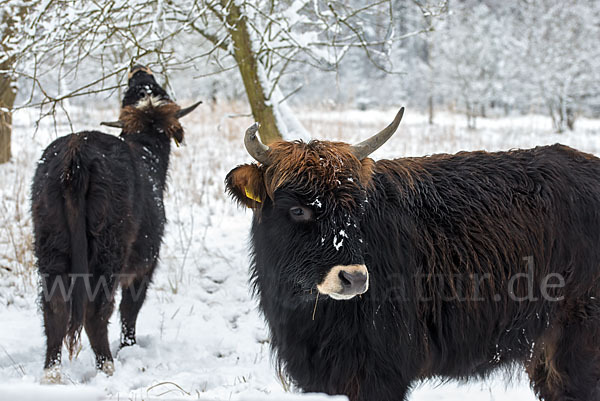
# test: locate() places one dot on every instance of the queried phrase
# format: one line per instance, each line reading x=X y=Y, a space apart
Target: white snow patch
x=316 y=203
x=337 y=244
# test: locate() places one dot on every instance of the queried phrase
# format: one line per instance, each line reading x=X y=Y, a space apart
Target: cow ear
x=246 y=185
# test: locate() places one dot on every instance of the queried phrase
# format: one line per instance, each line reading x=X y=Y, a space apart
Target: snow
x=200 y=335
x=30 y=391
x=316 y=203
x=337 y=244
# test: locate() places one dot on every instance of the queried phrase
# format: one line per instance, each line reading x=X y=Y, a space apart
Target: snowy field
x=200 y=335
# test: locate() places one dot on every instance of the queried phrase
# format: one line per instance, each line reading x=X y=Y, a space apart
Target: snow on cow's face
x=308 y=205
x=142 y=85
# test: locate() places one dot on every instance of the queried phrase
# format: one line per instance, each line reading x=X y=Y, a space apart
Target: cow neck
x=154 y=147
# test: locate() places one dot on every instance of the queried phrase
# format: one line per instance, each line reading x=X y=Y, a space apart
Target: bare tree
x=266 y=38
x=535 y=56
x=471 y=50
x=560 y=45
x=263 y=39
x=11 y=15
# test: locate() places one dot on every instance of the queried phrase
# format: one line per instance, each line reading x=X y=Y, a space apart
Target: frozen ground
x=200 y=335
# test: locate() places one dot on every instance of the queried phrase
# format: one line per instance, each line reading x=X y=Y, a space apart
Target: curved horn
x=187 y=110
x=370 y=145
x=254 y=146
x=114 y=124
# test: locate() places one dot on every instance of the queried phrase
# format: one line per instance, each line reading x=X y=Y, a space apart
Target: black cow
x=375 y=275
x=98 y=219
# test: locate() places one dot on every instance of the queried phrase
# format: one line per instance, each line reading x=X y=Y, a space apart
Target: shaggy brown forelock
x=317 y=167
x=163 y=117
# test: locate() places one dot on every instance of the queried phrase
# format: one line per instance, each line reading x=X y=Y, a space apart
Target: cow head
x=308 y=200
x=147 y=105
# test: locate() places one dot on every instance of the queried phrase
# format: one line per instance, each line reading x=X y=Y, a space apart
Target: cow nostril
x=352 y=282
x=346 y=279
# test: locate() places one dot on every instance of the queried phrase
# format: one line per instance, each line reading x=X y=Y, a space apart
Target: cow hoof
x=108 y=367
x=52 y=375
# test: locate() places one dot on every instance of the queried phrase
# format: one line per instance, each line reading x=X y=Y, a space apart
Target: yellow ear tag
x=176 y=141
x=250 y=195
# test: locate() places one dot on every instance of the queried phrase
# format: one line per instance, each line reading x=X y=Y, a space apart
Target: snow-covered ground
x=200 y=334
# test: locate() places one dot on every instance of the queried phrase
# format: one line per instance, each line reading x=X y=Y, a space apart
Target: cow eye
x=300 y=213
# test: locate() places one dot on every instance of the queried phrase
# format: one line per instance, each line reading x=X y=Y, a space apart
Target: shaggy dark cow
x=98 y=217
x=376 y=275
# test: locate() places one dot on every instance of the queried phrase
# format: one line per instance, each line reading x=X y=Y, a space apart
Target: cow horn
x=254 y=146
x=187 y=110
x=114 y=124
x=370 y=145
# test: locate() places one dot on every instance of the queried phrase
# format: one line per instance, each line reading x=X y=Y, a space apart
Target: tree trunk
x=570 y=118
x=250 y=69
x=8 y=90
x=7 y=100
x=430 y=72
x=430 y=107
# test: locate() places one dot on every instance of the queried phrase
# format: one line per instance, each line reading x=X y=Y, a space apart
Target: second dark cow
x=98 y=217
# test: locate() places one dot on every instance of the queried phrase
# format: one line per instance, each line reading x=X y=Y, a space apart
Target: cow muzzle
x=136 y=68
x=344 y=282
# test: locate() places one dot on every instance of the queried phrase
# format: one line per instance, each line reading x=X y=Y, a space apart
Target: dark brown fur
x=98 y=217
x=161 y=117
x=458 y=248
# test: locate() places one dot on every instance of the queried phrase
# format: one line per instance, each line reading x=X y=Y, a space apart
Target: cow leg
x=97 y=316
x=133 y=297
x=55 y=307
x=567 y=365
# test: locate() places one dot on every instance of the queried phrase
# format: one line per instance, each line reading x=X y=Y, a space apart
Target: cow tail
x=75 y=180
